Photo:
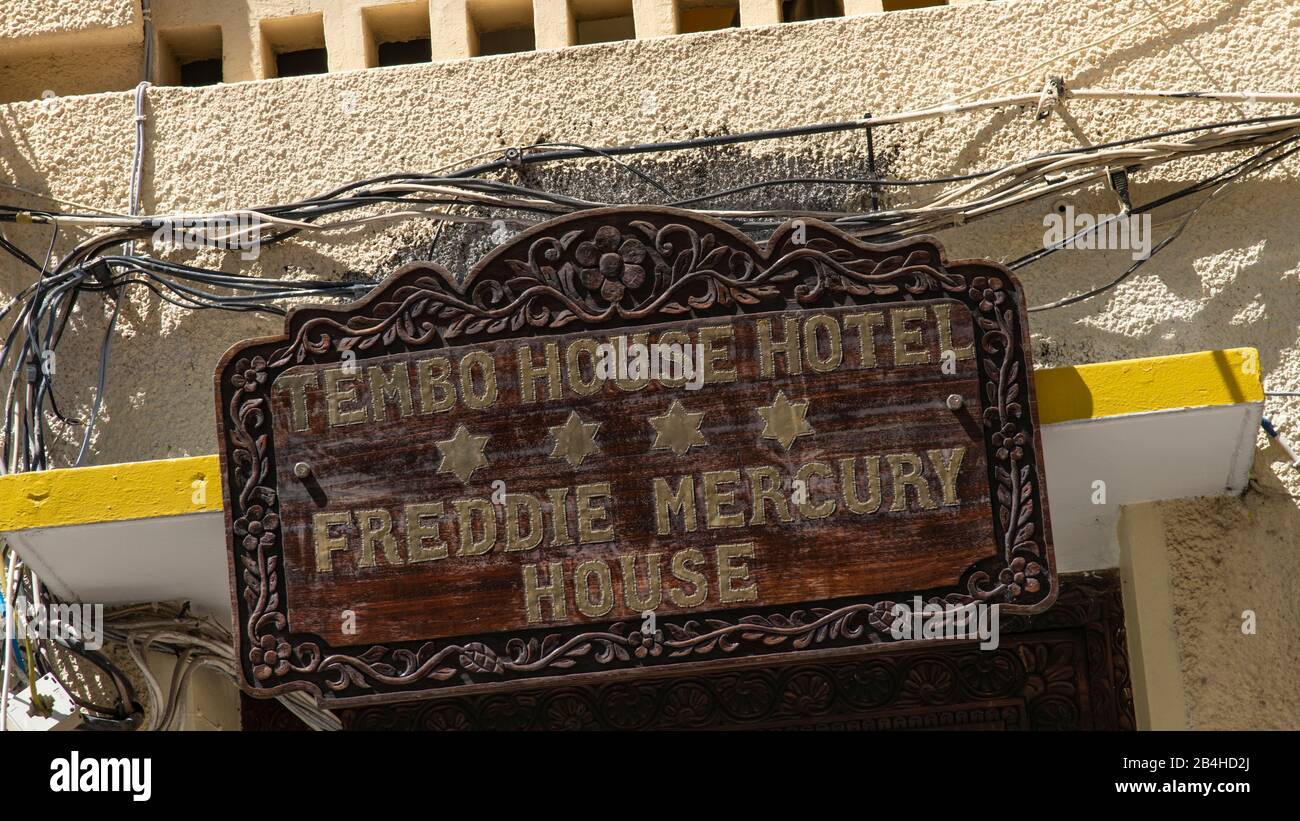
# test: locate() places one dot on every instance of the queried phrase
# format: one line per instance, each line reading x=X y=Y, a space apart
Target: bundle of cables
x=495 y=192
x=95 y=683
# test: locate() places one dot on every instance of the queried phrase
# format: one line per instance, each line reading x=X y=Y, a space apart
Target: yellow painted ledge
x=110 y=493
x=172 y=487
x=1158 y=383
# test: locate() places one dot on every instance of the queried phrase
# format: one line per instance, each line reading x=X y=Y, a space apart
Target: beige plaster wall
x=44 y=21
x=1227 y=557
x=1230 y=281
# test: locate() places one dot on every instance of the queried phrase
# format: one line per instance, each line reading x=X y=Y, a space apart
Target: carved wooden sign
x=633 y=439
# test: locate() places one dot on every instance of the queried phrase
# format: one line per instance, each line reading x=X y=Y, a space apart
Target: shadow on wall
x=1158 y=39
x=70 y=71
x=1197 y=295
x=1232 y=560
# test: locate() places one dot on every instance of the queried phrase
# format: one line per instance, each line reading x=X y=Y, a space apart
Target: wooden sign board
x=634 y=440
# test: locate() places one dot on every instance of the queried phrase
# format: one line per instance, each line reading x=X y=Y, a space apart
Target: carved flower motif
x=808 y=693
x=747 y=696
x=1019 y=575
x=509 y=712
x=687 y=704
x=628 y=707
x=447 y=719
x=989 y=673
x=570 y=712
x=644 y=644
x=928 y=682
x=988 y=290
x=1009 y=442
x=611 y=264
x=249 y=373
x=868 y=685
x=257 y=527
x=270 y=656
x=1048 y=669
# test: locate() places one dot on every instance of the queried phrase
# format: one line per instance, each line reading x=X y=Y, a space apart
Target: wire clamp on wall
x=514 y=158
x=1118 y=180
x=1053 y=91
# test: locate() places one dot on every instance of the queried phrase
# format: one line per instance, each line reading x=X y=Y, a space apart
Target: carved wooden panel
x=1063 y=669
x=866 y=432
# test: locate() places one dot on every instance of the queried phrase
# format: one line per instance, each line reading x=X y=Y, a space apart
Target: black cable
x=1089 y=294
x=1233 y=171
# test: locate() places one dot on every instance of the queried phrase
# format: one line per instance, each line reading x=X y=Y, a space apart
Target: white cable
x=1062 y=55
x=9 y=636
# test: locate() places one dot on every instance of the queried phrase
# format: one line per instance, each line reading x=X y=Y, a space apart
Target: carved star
x=677 y=430
x=784 y=420
x=462 y=454
x=575 y=440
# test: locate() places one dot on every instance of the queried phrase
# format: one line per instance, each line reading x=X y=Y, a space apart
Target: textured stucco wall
x=1230 y=281
x=1228 y=556
x=47 y=49
x=47 y=20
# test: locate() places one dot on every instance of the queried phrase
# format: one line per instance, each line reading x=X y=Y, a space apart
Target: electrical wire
x=490 y=189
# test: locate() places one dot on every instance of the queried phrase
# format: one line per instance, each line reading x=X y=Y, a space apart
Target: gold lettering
x=911 y=477
x=549 y=370
x=381 y=535
x=297 y=384
x=523 y=541
x=812 y=344
x=632 y=589
x=765 y=486
x=716 y=358
x=587 y=514
x=534 y=592
x=394 y=386
x=729 y=573
x=560 y=533
x=680 y=501
x=865 y=324
x=579 y=383
x=624 y=347
x=324 y=542
x=437 y=393
x=943 y=315
x=488 y=365
x=465 y=510
x=672 y=374
x=806 y=508
x=849 y=485
x=947 y=464
x=788 y=346
x=715 y=497
x=909 y=343
x=682 y=571
x=336 y=395
x=582 y=588
x=417 y=531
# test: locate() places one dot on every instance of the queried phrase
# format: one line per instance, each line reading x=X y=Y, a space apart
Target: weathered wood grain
x=317 y=423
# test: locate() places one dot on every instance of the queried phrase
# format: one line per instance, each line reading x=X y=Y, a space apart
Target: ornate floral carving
x=619 y=266
x=1040 y=678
